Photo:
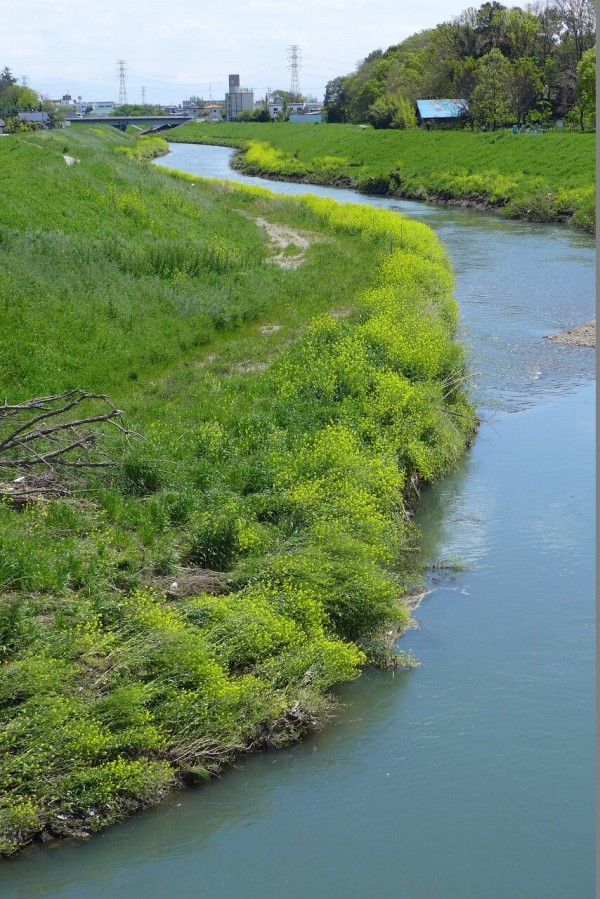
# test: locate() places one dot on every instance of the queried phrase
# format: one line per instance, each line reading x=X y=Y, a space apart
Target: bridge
x=147 y=123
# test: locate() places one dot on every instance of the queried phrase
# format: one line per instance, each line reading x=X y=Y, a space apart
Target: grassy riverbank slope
x=539 y=177
x=288 y=373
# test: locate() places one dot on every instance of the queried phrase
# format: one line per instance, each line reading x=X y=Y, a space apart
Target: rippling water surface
x=471 y=776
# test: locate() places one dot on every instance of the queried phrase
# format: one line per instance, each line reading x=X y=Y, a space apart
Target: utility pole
x=295 y=58
x=122 y=85
x=143 y=96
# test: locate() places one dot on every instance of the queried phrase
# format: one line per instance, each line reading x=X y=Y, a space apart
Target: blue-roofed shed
x=441 y=112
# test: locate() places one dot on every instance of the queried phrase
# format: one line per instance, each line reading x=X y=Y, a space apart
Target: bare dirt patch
x=248 y=368
x=269 y=329
x=289 y=246
x=583 y=335
x=208 y=360
x=190 y=582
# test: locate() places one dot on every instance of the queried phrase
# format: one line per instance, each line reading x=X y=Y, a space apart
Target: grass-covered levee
x=534 y=176
x=190 y=585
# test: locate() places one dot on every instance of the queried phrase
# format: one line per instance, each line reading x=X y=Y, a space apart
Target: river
x=473 y=775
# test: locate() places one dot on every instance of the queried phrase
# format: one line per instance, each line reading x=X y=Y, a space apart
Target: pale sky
x=175 y=49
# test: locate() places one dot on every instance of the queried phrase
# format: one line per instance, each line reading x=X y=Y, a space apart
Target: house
x=36 y=118
x=441 y=113
x=212 y=112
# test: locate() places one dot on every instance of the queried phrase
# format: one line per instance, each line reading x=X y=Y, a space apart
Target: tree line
x=512 y=66
x=16 y=98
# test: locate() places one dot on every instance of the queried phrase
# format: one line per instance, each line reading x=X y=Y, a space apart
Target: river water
x=473 y=775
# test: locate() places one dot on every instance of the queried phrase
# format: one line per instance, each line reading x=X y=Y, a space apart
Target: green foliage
x=138 y=109
x=543 y=45
x=489 y=101
x=148 y=147
x=391 y=112
x=279 y=459
x=586 y=88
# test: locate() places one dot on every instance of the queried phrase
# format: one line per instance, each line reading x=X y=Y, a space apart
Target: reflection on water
x=470 y=776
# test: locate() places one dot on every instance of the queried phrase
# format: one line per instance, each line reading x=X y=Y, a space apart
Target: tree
x=370 y=91
x=56 y=113
x=579 y=19
x=489 y=101
x=489 y=27
x=586 y=87
x=524 y=88
x=6 y=79
x=548 y=30
x=521 y=30
x=15 y=99
x=138 y=109
x=465 y=78
x=391 y=111
x=254 y=115
x=336 y=100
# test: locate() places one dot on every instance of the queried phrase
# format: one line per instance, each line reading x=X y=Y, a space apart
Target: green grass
x=540 y=177
x=280 y=418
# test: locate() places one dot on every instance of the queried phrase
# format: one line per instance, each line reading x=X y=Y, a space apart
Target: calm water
x=472 y=776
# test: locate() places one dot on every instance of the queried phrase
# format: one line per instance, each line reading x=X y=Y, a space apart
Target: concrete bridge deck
x=146 y=122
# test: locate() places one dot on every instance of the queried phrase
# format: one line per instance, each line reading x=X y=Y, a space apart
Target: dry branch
x=47 y=432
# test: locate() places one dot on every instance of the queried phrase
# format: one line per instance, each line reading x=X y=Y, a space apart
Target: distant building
x=237 y=99
x=276 y=105
x=65 y=100
x=441 y=113
x=315 y=117
x=212 y=112
x=95 y=107
x=37 y=118
x=2 y=126
x=102 y=107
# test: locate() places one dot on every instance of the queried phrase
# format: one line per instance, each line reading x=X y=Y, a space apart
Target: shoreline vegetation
x=286 y=374
x=533 y=177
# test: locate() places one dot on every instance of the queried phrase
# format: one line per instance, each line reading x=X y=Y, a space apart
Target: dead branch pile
x=52 y=433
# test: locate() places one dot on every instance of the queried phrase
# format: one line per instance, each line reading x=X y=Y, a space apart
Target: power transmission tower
x=122 y=86
x=24 y=80
x=143 y=95
x=295 y=58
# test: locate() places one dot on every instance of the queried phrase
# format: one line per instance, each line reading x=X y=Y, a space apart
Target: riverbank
x=534 y=177
x=237 y=549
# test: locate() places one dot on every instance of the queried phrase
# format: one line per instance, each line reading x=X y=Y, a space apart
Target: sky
x=177 y=49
